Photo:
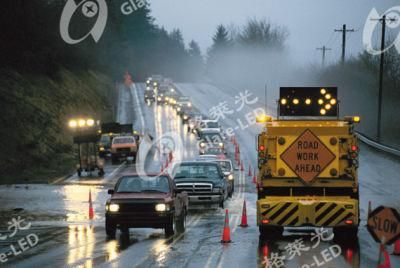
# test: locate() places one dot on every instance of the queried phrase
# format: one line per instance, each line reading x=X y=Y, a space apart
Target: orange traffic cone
x=226 y=234
x=254 y=177
x=384 y=260
x=241 y=166
x=396 y=250
x=244 y=216
x=91 y=211
x=249 y=171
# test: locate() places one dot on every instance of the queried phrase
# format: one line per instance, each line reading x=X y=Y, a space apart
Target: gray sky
x=310 y=23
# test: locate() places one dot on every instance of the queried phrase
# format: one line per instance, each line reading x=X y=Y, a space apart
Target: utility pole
x=344 y=31
x=324 y=49
x=379 y=120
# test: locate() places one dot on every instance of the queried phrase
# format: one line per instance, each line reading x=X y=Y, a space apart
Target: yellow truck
x=308 y=162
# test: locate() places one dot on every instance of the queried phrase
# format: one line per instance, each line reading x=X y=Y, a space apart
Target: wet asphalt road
x=67 y=238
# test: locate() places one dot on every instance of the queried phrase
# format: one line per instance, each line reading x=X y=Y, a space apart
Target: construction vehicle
x=308 y=162
x=86 y=136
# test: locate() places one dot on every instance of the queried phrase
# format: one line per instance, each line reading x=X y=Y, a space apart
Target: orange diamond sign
x=307 y=156
x=384 y=225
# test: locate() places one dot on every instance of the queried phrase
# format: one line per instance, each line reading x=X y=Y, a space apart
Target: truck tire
x=222 y=204
x=111 y=229
x=268 y=232
x=169 y=227
x=181 y=223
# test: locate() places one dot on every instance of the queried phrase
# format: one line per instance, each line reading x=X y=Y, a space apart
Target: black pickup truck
x=203 y=181
x=146 y=201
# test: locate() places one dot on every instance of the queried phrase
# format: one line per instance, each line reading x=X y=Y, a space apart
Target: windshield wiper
x=150 y=190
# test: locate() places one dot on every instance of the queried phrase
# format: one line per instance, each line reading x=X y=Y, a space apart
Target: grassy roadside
x=35 y=144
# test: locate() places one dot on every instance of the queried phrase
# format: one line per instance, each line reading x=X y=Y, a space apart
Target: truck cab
x=308 y=162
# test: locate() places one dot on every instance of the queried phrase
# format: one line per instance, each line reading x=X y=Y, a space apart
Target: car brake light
x=354 y=148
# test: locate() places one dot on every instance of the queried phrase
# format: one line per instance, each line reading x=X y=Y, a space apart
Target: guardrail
x=377 y=145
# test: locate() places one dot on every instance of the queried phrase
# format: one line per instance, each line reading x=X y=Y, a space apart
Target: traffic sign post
x=384 y=225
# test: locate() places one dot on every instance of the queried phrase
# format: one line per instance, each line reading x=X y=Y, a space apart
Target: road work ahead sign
x=384 y=224
x=307 y=156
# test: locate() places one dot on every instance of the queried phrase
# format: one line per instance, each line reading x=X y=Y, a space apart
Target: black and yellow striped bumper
x=307 y=211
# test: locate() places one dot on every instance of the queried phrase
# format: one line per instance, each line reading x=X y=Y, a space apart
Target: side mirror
x=110 y=191
x=226 y=173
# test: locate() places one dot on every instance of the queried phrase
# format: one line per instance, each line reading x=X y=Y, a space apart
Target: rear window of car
x=123 y=140
x=201 y=171
x=140 y=184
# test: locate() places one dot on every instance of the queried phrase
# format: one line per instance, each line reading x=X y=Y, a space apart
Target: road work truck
x=308 y=161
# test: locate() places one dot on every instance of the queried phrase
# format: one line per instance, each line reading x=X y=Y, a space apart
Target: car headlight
x=217 y=190
x=221 y=145
x=159 y=98
x=113 y=208
x=179 y=109
x=230 y=177
x=202 y=144
x=102 y=149
x=185 y=117
x=189 y=104
x=162 y=207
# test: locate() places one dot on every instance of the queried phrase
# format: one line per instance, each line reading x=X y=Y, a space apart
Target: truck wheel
x=222 y=204
x=111 y=229
x=346 y=233
x=169 y=227
x=181 y=224
x=267 y=232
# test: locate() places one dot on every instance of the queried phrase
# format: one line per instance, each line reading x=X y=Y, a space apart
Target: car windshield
x=225 y=165
x=136 y=184
x=196 y=171
x=211 y=137
x=212 y=125
x=123 y=140
x=105 y=139
x=214 y=151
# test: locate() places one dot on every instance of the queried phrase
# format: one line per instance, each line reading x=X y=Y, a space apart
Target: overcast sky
x=310 y=23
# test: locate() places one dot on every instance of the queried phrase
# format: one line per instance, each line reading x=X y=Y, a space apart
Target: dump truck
x=308 y=162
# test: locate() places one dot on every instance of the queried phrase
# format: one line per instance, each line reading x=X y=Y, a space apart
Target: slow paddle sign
x=384 y=225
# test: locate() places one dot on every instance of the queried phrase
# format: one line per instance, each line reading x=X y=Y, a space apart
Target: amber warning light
x=308 y=101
